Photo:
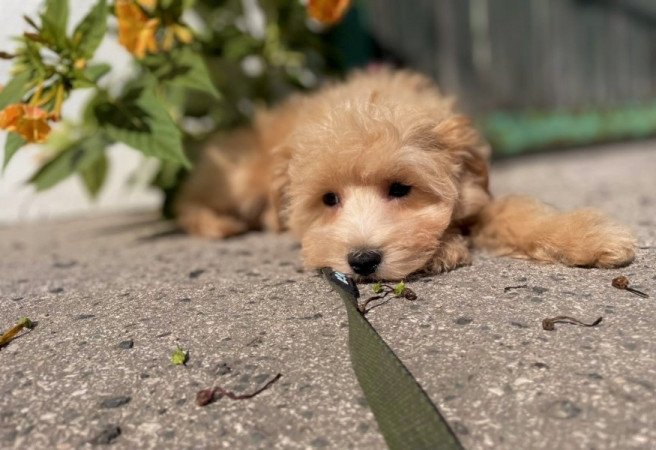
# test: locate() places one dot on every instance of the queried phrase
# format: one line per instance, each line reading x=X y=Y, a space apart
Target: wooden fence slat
x=541 y=54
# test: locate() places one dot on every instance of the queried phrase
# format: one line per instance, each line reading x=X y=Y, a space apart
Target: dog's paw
x=204 y=222
x=452 y=253
x=608 y=246
x=589 y=239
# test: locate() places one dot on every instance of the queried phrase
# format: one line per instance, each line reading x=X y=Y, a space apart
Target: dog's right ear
x=470 y=154
x=275 y=217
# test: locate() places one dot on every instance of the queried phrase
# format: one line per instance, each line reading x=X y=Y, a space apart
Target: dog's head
x=371 y=190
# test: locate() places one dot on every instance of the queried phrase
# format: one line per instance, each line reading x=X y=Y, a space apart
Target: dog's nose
x=364 y=262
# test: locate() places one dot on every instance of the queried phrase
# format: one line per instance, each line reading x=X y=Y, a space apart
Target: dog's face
x=370 y=193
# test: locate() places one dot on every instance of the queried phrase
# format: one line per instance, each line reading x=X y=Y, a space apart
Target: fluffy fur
x=355 y=139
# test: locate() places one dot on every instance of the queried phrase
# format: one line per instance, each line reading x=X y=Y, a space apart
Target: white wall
x=19 y=201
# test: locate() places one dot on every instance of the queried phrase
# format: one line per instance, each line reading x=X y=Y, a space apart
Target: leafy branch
x=187 y=83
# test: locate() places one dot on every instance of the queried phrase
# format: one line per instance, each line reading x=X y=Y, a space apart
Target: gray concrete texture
x=245 y=311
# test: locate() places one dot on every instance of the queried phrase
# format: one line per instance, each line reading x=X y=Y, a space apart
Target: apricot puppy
x=379 y=178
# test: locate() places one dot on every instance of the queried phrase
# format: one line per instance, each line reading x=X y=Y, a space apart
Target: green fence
x=535 y=73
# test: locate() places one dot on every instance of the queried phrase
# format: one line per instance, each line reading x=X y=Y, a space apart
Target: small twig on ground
x=400 y=290
x=622 y=282
x=207 y=396
x=521 y=286
x=363 y=307
x=364 y=310
x=549 y=324
x=10 y=334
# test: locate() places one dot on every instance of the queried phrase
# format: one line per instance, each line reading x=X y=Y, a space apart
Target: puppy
x=379 y=178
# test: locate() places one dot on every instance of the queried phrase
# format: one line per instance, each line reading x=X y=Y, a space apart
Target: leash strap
x=406 y=416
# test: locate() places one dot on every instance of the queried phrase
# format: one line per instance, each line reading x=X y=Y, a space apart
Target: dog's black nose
x=364 y=262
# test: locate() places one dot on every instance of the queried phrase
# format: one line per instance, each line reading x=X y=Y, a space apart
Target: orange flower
x=136 y=32
x=328 y=12
x=176 y=31
x=31 y=122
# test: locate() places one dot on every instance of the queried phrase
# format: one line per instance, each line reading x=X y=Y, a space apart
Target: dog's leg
x=225 y=195
x=202 y=221
x=524 y=227
x=453 y=252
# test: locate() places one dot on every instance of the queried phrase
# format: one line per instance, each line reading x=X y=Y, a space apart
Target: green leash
x=406 y=416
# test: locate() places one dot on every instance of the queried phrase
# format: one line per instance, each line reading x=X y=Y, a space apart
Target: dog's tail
x=526 y=228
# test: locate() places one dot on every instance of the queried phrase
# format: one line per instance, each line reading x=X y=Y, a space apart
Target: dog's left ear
x=469 y=155
x=275 y=215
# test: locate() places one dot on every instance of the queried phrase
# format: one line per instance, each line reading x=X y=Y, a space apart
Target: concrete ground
x=114 y=296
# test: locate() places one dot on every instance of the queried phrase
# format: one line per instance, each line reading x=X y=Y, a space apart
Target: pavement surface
x=114 y=296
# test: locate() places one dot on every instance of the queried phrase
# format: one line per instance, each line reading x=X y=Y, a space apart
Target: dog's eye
x=330 y=199
x=399 y=190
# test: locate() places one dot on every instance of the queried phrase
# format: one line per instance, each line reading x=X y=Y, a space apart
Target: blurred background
x=536 y=75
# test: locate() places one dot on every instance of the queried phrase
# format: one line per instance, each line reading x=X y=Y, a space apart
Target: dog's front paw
x=204 y=222
x=452 y=253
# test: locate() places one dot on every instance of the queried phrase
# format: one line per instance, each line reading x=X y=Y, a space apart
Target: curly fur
x=355 y=139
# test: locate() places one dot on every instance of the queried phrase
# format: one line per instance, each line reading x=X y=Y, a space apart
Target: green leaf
x=173 y=7
x=399 y=289
x=141 y=121
x=12 y=144
x=25 y=322
x=77 y=157
x=89 y=76
x=30 y=60
x=95 y=71
x=14 y=90
x=90 y=31
x=93 y=176
x=377 y=287
x=241 y=46
x=57 y=169
x=168 y=175
x=53 y=23
x=57 y=12
x=82 y=82
x=179 y=356
x=186 y=68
